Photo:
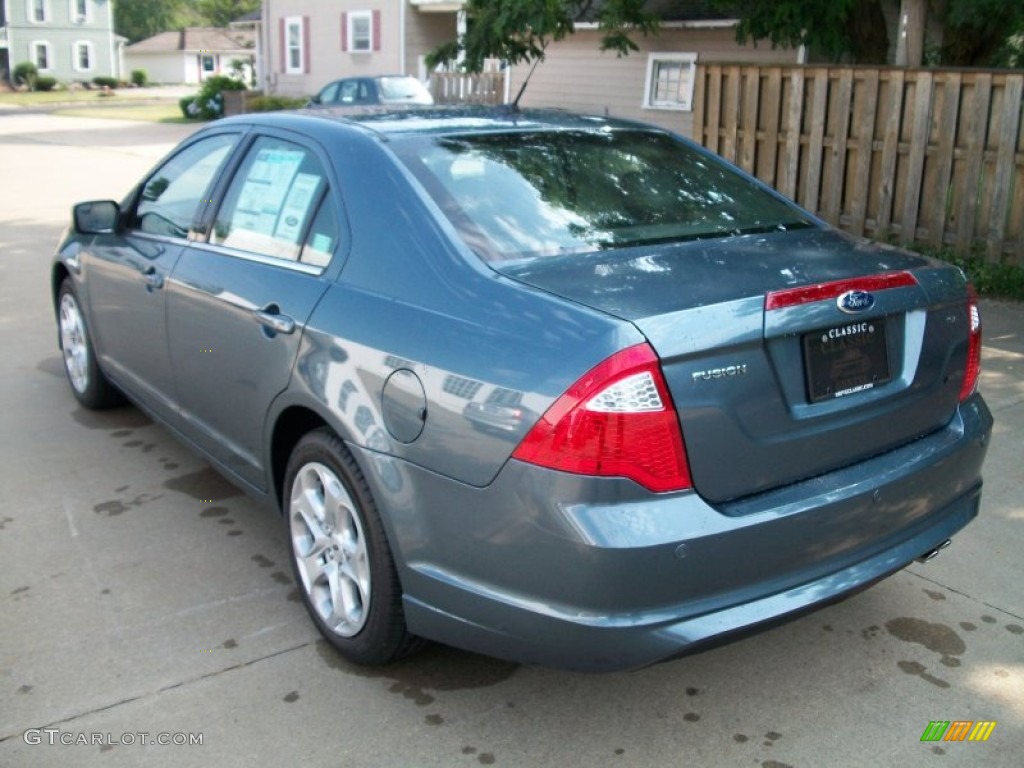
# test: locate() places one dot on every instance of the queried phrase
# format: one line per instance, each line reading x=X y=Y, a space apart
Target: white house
x=192 y=54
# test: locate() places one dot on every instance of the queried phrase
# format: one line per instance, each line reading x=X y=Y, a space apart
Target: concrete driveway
x=144 y=599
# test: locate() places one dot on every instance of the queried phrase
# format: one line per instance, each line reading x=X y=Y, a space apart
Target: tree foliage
x=980 y=32
x=139 y=19
x=975 y=32
x=217 y=13
x=519 y=31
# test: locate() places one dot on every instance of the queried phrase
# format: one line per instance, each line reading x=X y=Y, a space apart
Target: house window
x=670 y=81
x=79 y=11
x=360 y=31
x=208 y=65
x=42 y=56
x=38 y=11
x=295 y=45
x=83 y=56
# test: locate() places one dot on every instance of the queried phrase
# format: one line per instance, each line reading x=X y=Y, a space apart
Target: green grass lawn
x=37 y=98
x=154 y=113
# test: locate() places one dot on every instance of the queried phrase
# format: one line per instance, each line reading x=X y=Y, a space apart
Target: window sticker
x=296 y=206
x=262 y=196
x=321 y=243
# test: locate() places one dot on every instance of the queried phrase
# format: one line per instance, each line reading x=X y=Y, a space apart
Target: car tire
x=88 y=384
x=340 y=555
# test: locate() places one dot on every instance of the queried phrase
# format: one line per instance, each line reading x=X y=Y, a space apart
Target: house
x=308 y=43
x=192 y=54
x=654 y=84
x=251 y=24
x=70 y=40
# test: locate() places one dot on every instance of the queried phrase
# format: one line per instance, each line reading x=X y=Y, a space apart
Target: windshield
x=533 y=194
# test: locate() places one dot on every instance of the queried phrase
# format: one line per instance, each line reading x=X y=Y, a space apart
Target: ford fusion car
x=560 y=389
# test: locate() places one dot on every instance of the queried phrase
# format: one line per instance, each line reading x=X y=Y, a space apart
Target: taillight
x=973 y=367
x=616 y=421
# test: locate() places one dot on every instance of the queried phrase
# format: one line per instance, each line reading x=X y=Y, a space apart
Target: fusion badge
x=719 y=373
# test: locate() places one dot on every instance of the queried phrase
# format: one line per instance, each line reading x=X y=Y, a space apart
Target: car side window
x=348 y=93
x=322 y=237
x=329 y=95
x=171 y=196
x=277 y=205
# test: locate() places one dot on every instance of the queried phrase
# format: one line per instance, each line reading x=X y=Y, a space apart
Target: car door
x=128 y=270
x=238 y=303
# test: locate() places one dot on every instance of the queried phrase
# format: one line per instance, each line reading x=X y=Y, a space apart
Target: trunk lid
x=737 y=327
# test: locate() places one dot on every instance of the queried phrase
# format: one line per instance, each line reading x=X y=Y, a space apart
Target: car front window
x=532 y=194
x=171 y=197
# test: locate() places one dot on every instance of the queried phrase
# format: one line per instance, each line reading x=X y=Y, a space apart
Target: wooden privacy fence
x=462 y=88
x=928 y=156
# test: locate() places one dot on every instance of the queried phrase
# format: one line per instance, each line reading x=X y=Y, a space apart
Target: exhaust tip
x=931 y=554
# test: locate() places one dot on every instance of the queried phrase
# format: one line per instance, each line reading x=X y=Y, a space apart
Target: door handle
x=152 y=278
x=270 y=317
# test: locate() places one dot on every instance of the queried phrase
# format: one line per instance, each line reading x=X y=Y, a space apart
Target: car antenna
x=522 y=88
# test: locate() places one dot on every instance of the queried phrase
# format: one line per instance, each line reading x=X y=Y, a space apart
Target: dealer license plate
x=846 y=359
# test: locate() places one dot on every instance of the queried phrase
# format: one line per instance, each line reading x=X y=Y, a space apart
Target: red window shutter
x=344 y=31
x=376 y=30
x=306 y=45
x=284 y=47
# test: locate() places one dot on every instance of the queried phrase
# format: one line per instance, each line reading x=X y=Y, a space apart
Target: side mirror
x=98 y=217
x=315 y=99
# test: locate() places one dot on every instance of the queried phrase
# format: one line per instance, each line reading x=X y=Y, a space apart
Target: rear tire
x=88 y=384
x=340 y=554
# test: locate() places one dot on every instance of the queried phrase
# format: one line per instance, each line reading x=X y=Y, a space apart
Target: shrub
x=139 y=77
x=273 y=103
x=26 y=74
x=188 y=107
x=208 y=104
x=45 y=83
x=993 y=279
x=104 y=81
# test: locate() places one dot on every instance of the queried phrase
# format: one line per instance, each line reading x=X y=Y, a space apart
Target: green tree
x=852 y=29
x=976 y=32
x=139 y=19
x=979 y=32
x=520 y=30
x=218 y=13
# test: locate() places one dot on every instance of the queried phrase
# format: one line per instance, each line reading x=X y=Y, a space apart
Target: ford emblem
x=855 y=301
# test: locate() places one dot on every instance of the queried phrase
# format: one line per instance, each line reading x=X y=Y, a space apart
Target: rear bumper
x=523 y=570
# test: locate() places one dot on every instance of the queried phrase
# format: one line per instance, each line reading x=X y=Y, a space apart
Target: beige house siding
x=424 y=31
x=577 y=76
x=327 y=60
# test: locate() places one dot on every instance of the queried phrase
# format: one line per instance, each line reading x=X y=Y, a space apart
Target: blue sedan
x=559 y=389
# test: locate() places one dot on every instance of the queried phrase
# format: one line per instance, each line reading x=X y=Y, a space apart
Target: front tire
x=88 y=384
x=340 y=555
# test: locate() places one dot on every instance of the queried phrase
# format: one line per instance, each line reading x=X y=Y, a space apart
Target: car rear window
x=525 y=195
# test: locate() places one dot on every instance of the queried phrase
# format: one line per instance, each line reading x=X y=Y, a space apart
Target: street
x=144 y=597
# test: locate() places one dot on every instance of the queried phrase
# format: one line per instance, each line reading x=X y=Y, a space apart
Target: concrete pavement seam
x=160 y=691
x=964 y=594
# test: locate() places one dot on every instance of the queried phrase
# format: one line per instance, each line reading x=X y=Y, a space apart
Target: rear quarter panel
x=412 y=298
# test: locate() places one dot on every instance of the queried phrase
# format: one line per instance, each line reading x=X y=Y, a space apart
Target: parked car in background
x=384 y=89
x=560 y=389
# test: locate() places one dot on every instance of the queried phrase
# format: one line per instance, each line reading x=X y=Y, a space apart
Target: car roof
x=391 y=121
